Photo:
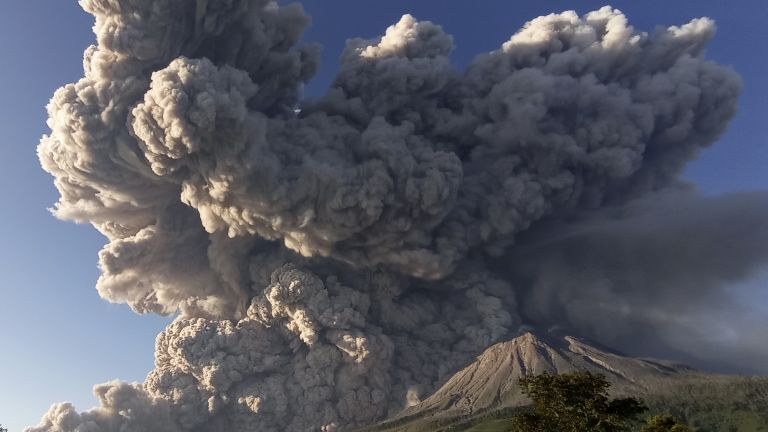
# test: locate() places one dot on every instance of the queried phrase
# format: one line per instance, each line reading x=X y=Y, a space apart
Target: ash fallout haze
x=332 y=250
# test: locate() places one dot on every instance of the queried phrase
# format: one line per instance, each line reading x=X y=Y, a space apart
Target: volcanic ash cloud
x=329 y=258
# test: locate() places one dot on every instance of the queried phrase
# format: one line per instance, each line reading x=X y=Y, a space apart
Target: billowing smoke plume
x=333 y=259
x=659 y=271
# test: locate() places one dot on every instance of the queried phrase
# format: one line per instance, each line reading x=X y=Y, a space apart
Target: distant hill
x=482 y=396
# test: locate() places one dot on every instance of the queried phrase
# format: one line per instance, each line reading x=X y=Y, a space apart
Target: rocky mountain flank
x=492 y=379
x=491 y=383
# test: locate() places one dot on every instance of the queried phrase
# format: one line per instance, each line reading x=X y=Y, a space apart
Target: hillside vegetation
x=736 y=405
x=485 y=395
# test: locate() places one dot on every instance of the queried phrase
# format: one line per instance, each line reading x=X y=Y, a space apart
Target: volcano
x=330 y=258
x=487 y=389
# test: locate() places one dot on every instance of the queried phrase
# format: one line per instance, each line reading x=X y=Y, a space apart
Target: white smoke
x=329 y=257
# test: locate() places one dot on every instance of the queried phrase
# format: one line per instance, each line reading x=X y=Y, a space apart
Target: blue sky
x=58 y=338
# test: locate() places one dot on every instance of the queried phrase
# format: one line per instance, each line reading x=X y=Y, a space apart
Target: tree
x=576 y=402
x=665 y=423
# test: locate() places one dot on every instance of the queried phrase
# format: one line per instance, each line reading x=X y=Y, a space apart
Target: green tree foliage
x=576 y=402
x=665 y=423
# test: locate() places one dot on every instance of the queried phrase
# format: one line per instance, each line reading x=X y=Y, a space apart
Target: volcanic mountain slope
x=488 y=387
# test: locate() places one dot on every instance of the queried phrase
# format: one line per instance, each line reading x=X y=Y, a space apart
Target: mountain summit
x=492 y=379
x=709 y=401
